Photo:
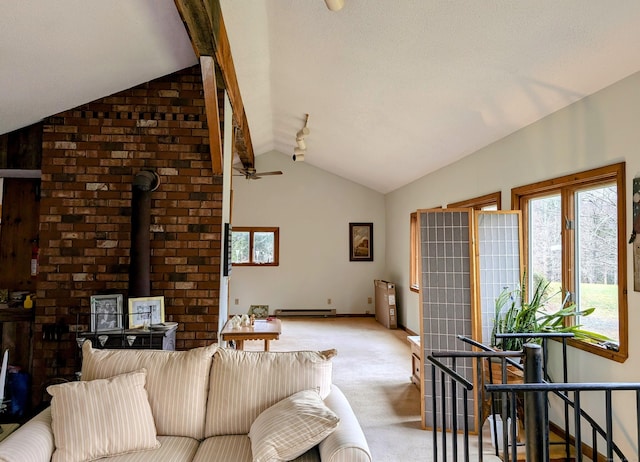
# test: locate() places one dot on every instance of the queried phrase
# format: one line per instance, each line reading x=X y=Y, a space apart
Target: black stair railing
x=459 y=387
x=612 y=451
x=544 y=338
x=457 y=383
x=596 y=429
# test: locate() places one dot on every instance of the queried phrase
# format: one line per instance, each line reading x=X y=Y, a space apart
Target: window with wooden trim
x=414 y=274
x=574 y=237
x=414 y=254
x=491 y=201
x=255 y=246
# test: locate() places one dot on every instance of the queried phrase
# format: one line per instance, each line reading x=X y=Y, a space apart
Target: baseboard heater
x=309 y=313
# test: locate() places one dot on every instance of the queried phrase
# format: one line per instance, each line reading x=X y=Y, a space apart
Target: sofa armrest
x=347 y=443
x=32 y=442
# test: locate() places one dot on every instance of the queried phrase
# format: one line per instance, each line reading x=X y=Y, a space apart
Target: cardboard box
x=386 y=312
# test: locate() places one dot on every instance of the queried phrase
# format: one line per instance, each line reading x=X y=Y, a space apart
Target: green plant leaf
x=514 y=314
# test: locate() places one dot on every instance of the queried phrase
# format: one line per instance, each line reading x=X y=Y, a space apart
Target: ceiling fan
x=251 y=174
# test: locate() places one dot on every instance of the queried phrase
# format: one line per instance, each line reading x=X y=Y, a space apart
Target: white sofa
x=203 y=403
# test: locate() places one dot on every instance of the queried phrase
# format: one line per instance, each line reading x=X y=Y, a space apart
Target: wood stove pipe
x=144 y=183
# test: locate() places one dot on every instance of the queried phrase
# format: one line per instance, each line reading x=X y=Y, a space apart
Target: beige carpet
x=372 y=368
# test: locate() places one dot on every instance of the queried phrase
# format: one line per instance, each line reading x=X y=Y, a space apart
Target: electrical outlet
x=328 y=301
x=237 y=301
x=366 y=312
x=369 y=301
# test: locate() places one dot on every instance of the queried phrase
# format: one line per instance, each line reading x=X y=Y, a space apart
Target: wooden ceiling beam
x=205 y=26
x=197 y=20
x=224 y=59
x=207 y=66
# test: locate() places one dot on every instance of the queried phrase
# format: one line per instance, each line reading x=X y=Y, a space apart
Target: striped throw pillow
x=101 y=418
x=291 y=427
x=177 y=382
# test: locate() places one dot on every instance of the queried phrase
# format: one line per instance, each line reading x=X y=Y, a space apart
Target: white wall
x=599 y=130
x=227 y=143
x=313 y=210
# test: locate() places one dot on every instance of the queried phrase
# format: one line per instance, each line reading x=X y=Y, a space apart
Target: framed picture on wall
x=106 y=312
x=360 y=241
x=145 y=312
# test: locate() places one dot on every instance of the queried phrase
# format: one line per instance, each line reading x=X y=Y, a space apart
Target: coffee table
x=262 y=329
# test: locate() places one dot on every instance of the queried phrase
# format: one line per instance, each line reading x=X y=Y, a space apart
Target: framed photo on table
x=106 y=312
x=360 y=241
x=145 y=311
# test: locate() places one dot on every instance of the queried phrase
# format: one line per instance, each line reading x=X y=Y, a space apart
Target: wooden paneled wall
x=19 y=227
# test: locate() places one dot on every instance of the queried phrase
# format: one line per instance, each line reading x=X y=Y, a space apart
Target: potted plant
x=515 y=314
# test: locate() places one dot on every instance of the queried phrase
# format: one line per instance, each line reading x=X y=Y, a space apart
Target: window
x=254 y=246
x=491 y=201
x=414 y=255
x=575 y=238
x=414 y=275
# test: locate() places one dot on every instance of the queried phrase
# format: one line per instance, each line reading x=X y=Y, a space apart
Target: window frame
x=414 y=276
x=414 y=251
x=259 y=229
x=567 y=186
x=478 y=203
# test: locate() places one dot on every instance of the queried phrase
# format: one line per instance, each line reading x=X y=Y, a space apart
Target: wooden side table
x=262 y=329
x=414 y=341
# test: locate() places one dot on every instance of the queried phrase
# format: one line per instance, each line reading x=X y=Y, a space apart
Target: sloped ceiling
x=58 y=55
x=394 y=89
x=397 y=89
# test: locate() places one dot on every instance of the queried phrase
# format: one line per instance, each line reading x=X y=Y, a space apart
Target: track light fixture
x=303 y=131
x=298 y=152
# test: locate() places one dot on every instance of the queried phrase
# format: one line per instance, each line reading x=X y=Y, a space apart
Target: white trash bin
x=495 y=421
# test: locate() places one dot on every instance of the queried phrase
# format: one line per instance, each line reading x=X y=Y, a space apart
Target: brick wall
x=90 y=156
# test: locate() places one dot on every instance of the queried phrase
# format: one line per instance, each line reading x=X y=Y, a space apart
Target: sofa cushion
x=245 y=383
x=101 y=418
x=291 y=427
x=177 y=383
x=237 y=448
x=173 y=449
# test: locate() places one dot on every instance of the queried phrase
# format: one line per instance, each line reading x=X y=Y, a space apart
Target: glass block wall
x=447 y=265
x=499 y=261
x=446 y=294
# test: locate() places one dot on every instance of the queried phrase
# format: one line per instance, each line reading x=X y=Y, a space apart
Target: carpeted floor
x=372 y=368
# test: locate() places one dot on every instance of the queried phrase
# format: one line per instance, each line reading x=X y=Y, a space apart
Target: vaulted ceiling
x=394 y=89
